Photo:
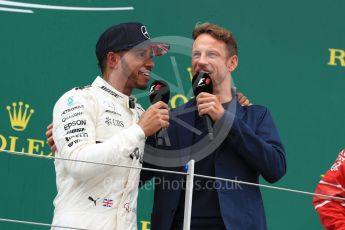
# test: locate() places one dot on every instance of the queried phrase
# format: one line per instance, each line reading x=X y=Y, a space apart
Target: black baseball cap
x=125 y=36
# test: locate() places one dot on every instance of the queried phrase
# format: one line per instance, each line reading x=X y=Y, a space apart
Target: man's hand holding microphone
x=155 y=118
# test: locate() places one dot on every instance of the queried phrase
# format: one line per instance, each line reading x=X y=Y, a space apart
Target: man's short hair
x=102 y=65
x=218 y=33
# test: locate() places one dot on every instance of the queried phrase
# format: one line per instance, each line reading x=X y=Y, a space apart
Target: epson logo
x=74 y=123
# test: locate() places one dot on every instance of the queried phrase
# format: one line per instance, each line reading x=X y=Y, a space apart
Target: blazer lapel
x=184 y=117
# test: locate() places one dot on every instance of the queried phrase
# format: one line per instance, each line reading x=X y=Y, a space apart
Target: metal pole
x=189 y=196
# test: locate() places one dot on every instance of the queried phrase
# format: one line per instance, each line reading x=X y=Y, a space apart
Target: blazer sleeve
x=260 y=146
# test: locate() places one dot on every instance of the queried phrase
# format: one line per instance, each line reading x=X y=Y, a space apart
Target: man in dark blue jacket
x=246 y=145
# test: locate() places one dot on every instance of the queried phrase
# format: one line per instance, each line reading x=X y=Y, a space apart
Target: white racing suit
x=99 y=124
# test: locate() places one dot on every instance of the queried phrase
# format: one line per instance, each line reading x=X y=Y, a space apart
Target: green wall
x=285 y=63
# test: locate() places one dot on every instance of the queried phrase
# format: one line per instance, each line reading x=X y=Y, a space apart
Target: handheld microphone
x=202 y=82
x=159 y=91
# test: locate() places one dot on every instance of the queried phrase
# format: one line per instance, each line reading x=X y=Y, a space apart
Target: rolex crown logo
x=19 y=117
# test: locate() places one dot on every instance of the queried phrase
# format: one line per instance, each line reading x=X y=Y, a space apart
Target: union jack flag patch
x=108 y=203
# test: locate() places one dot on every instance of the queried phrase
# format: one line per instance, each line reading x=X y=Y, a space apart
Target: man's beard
x=130 y=75
x=126 y=70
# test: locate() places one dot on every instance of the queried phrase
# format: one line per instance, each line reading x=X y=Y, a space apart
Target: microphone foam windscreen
x=202 y=82
x=159 y=91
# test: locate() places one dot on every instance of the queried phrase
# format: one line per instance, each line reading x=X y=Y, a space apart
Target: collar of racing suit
x=128 y=101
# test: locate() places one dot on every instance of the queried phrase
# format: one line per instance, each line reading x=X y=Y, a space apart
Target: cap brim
x=158 y=48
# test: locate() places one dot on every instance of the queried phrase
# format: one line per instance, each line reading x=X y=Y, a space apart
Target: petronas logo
x=19 y=115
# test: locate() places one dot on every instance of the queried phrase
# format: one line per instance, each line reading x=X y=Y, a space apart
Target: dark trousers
x=204 y=223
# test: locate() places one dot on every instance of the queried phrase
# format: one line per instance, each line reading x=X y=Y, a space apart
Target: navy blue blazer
x=251 y=148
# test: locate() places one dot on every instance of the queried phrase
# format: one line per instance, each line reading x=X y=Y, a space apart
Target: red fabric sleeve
x=332 y=211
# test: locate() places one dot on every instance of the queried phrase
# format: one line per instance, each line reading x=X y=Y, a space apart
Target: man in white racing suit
x=103 y=124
